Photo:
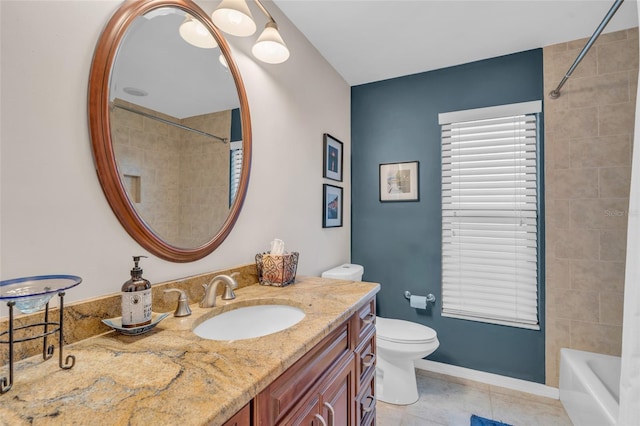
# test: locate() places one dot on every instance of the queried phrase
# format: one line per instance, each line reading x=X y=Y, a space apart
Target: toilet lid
x=400 y=331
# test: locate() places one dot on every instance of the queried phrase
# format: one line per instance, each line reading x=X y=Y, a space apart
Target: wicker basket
x=277 y=270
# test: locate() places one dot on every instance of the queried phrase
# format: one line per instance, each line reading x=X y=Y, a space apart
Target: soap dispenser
x=136 y=298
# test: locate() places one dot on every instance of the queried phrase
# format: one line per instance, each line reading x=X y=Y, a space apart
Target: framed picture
x=399 y=181
x=332 y=158
x=331 y=206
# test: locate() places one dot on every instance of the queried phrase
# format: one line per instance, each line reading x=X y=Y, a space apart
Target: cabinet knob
x=372 y=404
x=368 y=360
x=368 y=319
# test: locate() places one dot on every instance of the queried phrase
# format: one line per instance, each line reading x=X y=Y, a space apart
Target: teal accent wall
x=236 y=125
x=399 y=243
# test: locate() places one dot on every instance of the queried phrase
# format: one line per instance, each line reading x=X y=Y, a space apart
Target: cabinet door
x=338 y=393
x=330 y=402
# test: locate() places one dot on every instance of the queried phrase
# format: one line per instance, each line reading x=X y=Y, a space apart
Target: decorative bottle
x=136 y=298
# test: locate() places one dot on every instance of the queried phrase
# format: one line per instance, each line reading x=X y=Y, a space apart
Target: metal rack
x=47 y=350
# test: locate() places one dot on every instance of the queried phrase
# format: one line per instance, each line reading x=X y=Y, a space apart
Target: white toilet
x=398 y=344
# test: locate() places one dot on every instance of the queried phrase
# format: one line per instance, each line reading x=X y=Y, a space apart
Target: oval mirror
x=170 y=127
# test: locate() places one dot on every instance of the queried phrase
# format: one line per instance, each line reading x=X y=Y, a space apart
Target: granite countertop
x=171 y=376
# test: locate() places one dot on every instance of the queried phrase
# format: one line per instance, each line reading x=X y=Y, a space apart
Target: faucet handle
x=233 y=277
x=229 y=293
x=228 y=289
x=182 y=310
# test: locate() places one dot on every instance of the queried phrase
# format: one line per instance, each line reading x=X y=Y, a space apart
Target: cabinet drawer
x=366 y=357
x=366 y=400
x=280 y=396
x=365 y=320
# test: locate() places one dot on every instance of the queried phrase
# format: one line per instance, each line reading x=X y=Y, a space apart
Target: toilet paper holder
x=430 y=297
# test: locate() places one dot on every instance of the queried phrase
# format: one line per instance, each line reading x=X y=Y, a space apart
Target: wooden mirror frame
x=100 y=129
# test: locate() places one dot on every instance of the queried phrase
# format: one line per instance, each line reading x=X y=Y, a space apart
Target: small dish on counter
x=116 y=324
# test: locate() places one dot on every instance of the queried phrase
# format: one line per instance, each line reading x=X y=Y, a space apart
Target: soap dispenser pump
x=136 y=298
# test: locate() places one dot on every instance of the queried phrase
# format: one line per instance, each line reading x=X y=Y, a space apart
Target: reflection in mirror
x=175 y=127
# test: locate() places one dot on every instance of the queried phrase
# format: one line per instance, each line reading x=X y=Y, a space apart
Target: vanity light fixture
x=234 y=17
x=193 y=32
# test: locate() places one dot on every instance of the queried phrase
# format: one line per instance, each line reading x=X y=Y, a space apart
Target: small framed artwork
x=331 y=206
x=332 y=158
x=399 y=181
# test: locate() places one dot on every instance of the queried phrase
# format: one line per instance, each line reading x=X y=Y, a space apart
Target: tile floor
x=450 y=401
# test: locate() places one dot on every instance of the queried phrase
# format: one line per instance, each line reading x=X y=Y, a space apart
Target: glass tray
x=31 y=294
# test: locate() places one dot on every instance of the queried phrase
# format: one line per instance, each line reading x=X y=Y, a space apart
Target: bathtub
x=590 y=387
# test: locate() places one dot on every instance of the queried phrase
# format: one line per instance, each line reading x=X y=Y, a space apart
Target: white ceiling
x=372 y=40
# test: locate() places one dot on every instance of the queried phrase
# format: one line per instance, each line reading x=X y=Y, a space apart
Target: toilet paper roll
x=418 y=302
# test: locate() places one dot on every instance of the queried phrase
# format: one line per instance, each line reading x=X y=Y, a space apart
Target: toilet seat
x=400 y=331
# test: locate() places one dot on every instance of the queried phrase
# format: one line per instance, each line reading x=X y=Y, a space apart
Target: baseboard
x=488 y=378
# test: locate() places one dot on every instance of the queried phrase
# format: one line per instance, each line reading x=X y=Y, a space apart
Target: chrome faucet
x=210 y=290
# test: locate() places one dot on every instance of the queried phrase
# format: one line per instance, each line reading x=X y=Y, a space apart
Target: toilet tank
x=348 y=272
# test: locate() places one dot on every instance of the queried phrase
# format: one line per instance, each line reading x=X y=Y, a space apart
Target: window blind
x=235 y=173
x=490 y=216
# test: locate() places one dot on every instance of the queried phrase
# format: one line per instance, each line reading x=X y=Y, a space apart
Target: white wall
x=54 y=217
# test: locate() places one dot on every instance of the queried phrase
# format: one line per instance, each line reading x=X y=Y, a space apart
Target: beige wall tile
x=605 y=151
x=557 y=153
x=616 y=119
x=577 y=123
x=557 y=336
x=618 y=56
x=606 y=38
x=598 y=90
x=558 y=274
x=572 y=304
x=575 y=183
x=593 y=337
x=562 y=61
x=558 y=213
x=577 y=44
x=614 y=182
x=577 y=244
x=554 y=48
x=633 y=86
x=613 y=245
x=578 y=218
x=611 y=308
x=597 y=276
x=599 y=213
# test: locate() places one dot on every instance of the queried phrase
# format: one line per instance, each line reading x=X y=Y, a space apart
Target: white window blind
x=236 y=170
x=489 y=215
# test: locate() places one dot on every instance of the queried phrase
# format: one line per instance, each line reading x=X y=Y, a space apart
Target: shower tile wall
x=185 y=205
x=588 y=143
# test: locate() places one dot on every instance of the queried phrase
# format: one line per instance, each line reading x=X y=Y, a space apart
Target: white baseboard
x=488 y=378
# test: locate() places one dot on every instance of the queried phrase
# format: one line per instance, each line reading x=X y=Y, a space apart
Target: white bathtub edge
x=583 y=394
x=489 y=378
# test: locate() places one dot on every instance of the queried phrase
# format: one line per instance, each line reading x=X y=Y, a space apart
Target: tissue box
x=277 y=269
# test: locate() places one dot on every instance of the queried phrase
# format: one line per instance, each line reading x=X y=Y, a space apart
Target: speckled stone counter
x=169 y=375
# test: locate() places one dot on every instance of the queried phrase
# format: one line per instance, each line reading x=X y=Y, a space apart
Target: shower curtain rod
x=171 y=123
x=555 y=94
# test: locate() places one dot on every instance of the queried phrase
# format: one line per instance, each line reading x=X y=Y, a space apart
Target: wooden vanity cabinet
x=332 y=385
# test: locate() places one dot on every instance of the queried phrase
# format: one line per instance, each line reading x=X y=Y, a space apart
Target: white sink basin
x=249 y=321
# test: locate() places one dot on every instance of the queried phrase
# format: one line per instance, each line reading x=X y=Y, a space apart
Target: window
x=235 y=170
x=490 y=212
